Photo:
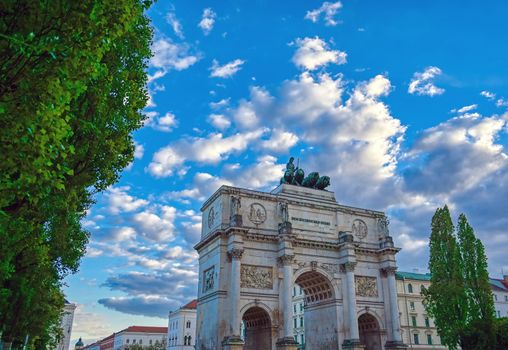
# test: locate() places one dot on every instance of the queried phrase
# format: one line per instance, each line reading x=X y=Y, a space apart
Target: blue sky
x=402 y=103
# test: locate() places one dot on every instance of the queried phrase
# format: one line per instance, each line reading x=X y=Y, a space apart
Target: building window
x=416 y=339
x=302 y=340
x=188 y=324
x=427 y=322
x=301 y=306
x=410 y=288
x=495 y=297
x=133 y=341
x=141 y=341
x=127 y=341
x=429 y=339
x=506 y=298
x=422 y=288
x=301 y=321
x=295 y=322
x=498 y=314
x=296 y=338
x=150 y=342
x=413 y=320
x=294 y=308
x=412 y=305
x=189 y=340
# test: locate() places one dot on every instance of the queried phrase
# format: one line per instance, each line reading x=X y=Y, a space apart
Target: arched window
x=189 y=340
x=188 y=324
x=410 y=288
x=422 y=288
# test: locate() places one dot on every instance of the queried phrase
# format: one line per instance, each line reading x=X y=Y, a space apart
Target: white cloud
x=165 y=123
x=156 y=224
x=487 y=94
x=227 y=70
x=220 y=104
x=219 y=121
x=89 y=324
x=465 y=109
x=168 y=55
x=139 y=150
x=328 y=9
x=121 y=234
x=423 y=83
x=264 y=172
x=280 y=141
x=501 y=102
x=175 y=24
x=207 y=21
x=313 y=53
x=411 y=244
x=120 y=201
x=210 y=150
x=249 y=112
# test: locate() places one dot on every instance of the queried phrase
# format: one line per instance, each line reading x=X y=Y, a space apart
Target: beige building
x=418 y=329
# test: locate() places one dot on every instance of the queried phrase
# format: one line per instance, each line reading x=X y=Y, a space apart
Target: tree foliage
x=459 y=297
x=73 y=82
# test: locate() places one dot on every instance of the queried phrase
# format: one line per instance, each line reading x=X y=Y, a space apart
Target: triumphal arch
x=256 y=246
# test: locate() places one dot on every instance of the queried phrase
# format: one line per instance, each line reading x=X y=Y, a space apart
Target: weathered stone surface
x=300 y=235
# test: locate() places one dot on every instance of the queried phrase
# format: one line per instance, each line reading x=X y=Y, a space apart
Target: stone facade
x=66 y=325
x=256 y=246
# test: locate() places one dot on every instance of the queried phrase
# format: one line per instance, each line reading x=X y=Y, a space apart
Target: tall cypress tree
x=446 y=299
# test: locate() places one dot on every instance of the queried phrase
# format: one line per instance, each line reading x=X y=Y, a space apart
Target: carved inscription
x=366 y=286
x=208 y=279
x=259 y=277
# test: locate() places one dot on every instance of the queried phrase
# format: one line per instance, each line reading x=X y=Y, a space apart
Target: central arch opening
x=314 y=324
x=257 y=329
x=370 y=334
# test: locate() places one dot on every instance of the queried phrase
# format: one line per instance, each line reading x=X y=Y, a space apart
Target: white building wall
x=124 y=339
x=181 y=327
x=298 y=315
x=500 y=302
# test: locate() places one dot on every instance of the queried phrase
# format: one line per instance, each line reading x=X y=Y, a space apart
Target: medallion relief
x=259 y=277
x=366 y=286
x=257 y=213
x=359 y=228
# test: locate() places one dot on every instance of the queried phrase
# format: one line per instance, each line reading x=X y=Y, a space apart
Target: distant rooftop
x=496 y=284
x=413 y=276
x=191 y=305
x=145 y=329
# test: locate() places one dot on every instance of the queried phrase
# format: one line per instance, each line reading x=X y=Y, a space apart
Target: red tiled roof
x=146 y=329
x=191 y=305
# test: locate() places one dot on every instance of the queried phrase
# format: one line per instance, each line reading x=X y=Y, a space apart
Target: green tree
x=459 y=297
x=445 y=299
x=73 y=82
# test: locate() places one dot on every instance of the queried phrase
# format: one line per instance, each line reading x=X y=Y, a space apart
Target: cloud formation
x=313 y=53
x=423 y=82
x=328 y=10
x=207 y=20
x=227 y=70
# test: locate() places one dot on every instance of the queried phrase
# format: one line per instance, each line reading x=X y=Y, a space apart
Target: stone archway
x=370 y=332
x=257 y=328
x=320 y=315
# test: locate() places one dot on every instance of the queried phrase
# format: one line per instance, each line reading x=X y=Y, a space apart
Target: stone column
x=234 y=341
x=396 y=341
x=354 y=335
x=287 y=342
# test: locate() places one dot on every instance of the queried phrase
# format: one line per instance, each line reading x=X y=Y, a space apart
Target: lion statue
x=298 y=178
x=323 y=182
x=311 y=180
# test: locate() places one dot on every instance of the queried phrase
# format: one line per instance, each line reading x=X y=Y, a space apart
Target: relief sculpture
x=208 y=279
x=259 y=277
x=366 y=286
